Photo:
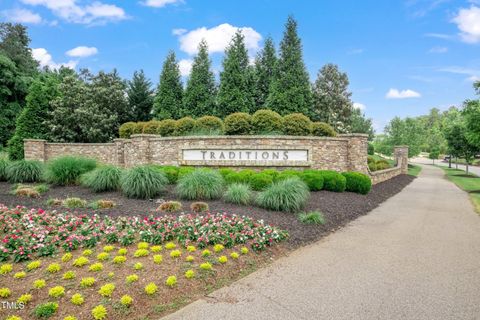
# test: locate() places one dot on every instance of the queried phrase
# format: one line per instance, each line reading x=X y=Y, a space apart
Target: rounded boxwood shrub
x=260 y=181
x=183 y=171
x=226 y=171
x=322 y=129
x=238 y=123
x=286 y=195
x=167 y=127
x=357 y=182
x=297 y=124
x=313 y=179
x=24 y=171
x=151 y=127
x=285 y=174
x=143 y=182
x=106 y=178
x=201 y=184
x=138 y=129
x=184 y=126
x=382 y=164
x=67 y=170
x=272 y=172
x=209 y=124
x=333 y=181
x=238 y=193
x=267 y=122
x=127 y=129
x=3 y=169
x=370 y=149
x=171 y=172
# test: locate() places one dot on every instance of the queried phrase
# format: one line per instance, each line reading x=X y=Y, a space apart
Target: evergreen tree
x=235 y=93
x=265 y=63
x=332 y=103
x=168 y=99
x=361 y=124
x=291 y=90
x=140 y=97
x=199 y=99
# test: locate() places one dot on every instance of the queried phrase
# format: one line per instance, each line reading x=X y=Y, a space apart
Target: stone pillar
x=35 y=149
x=141 y=148
x=120 y=152
x=357 y=152
x=400 y=154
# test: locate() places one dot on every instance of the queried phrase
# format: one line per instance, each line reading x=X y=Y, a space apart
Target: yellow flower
x=6 y=268
x=69 y=275
x=56 y=292
x=126 y=300
x=119 y=259
x=19 y=275
x=131 y=278
x=141 y=253
x=171 y=281
x=157 y=259
x=138 y=266
x=151 y=288
x=170 y=246
x=191 y=249
x=108 y=248
x=156 y=248
x=222 y=259
x=80 y=262
x=5 y=292
x=142 y=245
x=206 y=253
x=106 y=290
x=87 y=282
x=24 y=298
x=103 y=256
x=34 y=265
x=13 y=318
x=189 y=258
x=67 y=257
x=99 y=312
x=175 y=253
x=96 y=267
x=69 y=318
x=189 y=274
x=206 y=266
x=122 y=251
x=39 y=284
x=77 y=299
x=234 y=255
x=218 y=248
x=54 y=267
x=87 y=252
x=244 y=250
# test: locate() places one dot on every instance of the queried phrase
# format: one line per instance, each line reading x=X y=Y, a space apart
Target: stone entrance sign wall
x=342 y=153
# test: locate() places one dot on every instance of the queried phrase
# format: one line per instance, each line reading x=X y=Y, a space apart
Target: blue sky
x=402 y=57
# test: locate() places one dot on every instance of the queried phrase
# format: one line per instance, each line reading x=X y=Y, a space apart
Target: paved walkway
x=417 y=256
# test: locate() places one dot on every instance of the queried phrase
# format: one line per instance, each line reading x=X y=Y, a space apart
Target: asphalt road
x=471 y=169
x=417 y=256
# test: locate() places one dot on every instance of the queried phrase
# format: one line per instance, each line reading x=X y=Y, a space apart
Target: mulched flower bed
x=338 y=208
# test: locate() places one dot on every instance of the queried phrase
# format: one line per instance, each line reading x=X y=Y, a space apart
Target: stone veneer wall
x=342 y=153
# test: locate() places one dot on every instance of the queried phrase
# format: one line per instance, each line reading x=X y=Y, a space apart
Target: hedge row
x=262 y=122
x=375 y=165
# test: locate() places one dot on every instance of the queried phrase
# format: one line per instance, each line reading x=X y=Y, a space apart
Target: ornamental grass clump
x=170 y=206
x=119 y=259
x=74 y=202
x=314 y=217
x=143 y=182
x=24 y=171
x=198 y=207
x=238 y=193
x=106 y=178
x=286 y=195
x=67 y=170
x=201 y=184
x=3 y=169
x=141 y=253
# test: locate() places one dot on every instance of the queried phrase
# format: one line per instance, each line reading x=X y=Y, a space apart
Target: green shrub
x=225 y=172
x=242 y=176
x=24 y=171
x=239 y=123
x=238 y=193
x=285 y=174
x=3 y=169
x=313 y=179
x=209 y=124
x=184 y=126
x=271 y=172
x=171 y=172
x=143 y=182
x=183 y=171
x=267 y=122
x=201 y=184
x=372 y=166
x=167 y=128
x=322 y=129
x=74 y=203
x=151 y=127
x=382 y=164
x=333 y=181
x=371 y=149
x=260 y=181
x=357 y=182
x=106 y=178
x=286 y=195
x=127 y=129
x=314 y=217
x=45 y=310
x=138 y=129
x=297 y=124
x=67 y=170
x=170 y=206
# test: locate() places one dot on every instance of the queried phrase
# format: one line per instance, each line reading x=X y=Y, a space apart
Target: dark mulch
x=338 y=208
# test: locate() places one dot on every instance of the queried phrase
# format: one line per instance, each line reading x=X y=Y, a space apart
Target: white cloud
x=94 y=13
x=438 y=36
x=358 y=105
x=185 y=66
x=45 y=59
x=22 y=16
x=179 y=31
x=160 y=3
x=473 y=78
x=218 y=38
x=468 y=22
x=356 y=51
x=82 y=52
x=401 y=94
x=472 y=74
x=438 y=50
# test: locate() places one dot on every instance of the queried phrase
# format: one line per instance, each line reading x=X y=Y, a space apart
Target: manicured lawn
x=414 y=170
x=377 y=158
x=470 y=183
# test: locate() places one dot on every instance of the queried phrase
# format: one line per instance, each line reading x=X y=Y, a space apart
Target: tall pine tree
x=235 y=93
x=168 y=99
x=332 y=103
x=265 y=63
x=291 y=89
x=199 y=98
x=140 y=97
